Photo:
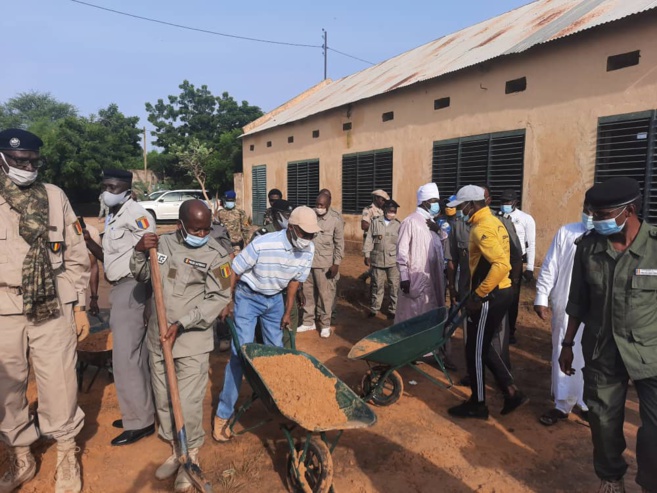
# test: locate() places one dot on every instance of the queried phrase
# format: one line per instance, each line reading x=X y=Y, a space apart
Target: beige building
x=544 y=99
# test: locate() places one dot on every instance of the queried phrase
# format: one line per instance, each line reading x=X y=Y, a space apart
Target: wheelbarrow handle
x=455 y=316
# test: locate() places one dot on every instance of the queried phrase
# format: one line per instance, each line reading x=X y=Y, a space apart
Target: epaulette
x=588 y=233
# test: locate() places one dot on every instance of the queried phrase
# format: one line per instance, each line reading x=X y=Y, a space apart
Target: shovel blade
x=196 y=475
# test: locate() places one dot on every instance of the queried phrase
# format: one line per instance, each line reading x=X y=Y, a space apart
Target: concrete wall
x=568 y=89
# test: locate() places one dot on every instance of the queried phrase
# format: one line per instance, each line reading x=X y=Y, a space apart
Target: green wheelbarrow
x=309 y=463
x=404 y=344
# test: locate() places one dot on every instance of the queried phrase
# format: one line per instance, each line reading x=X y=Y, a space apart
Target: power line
x=350 y=56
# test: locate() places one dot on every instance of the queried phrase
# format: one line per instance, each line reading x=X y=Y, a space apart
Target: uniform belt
x=121 y=281
x=14 y=289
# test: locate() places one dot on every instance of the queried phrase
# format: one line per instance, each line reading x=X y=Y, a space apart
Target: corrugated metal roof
x=513 y=32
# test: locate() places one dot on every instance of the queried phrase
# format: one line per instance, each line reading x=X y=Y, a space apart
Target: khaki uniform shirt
x=196 y=283
x=66 y=247
x=615 y=295
x=381 y=243
x=237 y=224
x=329 y=243
x=370 y=212
x=123 y=231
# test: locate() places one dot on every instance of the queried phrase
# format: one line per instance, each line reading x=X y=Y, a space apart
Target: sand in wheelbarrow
x=97 y=342
x=302 y=392
x=365 y=347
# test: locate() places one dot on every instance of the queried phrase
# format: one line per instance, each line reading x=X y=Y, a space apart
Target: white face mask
x=20 y=177
x=114 y=199
x=299 y=243
x=320 y=211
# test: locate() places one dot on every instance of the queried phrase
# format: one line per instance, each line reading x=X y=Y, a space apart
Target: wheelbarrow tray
x=359 y=415
x=403 y=342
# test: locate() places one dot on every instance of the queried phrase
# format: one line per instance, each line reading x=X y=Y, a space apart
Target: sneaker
x=221 y=429
x=68 y=470
x=22 y=468
x=170 y=466
x=325 y=333
x=612 y=486
x=513 y=403
x=183 y=483
x=306 y=328
x=469 y=409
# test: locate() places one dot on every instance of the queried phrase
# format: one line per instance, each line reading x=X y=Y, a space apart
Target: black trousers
x=516 y=280
x=483 y=326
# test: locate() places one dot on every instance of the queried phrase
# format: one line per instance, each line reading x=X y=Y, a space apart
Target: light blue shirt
x=269 y=263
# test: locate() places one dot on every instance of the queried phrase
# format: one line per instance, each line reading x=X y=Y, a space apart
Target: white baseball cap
x=468 y=193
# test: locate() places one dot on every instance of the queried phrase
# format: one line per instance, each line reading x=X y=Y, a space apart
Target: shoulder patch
x=55 y=246
x=161 y=258
x=142 y=222
x=224 y=271
x=653 y=232
x=261 y=231
x=78 y=228
x=195 y=263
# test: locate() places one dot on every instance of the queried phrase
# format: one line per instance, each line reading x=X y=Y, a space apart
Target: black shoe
x=371 y=315
x=391 y=316
x=470 y=409
x=513 y=403
x=118 y=424
x=512 y=339
x=132 y=436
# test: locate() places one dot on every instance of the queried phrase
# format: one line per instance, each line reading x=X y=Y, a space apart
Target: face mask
x=459 y=213
x=194 y=241
x=434 y=209
x=283 y=221
x=587 y=221
x=391 y=216
x=114 y=199
x=466 y=217
x=608 y=227
x=20 y=177
x=230 y=205
x=320 y=211
x=506 y=208
x=299 y=243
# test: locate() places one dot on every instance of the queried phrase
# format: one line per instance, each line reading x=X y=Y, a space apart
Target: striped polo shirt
x=269 y=263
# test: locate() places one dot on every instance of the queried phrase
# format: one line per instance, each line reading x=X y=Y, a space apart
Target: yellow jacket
x=490 y=262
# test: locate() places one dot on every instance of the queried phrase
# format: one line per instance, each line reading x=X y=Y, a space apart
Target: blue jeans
x=250 y=307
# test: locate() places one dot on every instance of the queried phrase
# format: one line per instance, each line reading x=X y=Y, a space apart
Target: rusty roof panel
x=513 y=32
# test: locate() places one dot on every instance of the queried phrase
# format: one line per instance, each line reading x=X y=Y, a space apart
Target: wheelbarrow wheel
x=388 y=393
x=316 y=471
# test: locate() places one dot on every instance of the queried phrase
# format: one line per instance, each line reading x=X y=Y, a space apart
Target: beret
x=118 y=174
x=230 y=194
x=275 y=191
x=16 y=139
x=613 y=193
x=508 y=195
x=390 y=203
x=282 y=205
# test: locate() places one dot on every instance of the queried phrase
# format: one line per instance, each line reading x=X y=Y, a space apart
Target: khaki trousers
x=51 y=346
x=320 y=296
x=381 y=276
x=192 y=373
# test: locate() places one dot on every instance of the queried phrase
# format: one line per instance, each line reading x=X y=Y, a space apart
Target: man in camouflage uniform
x=273 y=195
x=375 y=209
x=236 y=222
x=280 y=214
x=380 y=250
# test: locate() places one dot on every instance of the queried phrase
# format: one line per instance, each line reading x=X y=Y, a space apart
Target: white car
x=166 y=206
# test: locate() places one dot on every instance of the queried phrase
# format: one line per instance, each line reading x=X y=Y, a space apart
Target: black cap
x=282 y=205
x=390 y=203
x=614 y=192
x=274 y=191
x=15 y=139
x=118 y=174
x=509 y=195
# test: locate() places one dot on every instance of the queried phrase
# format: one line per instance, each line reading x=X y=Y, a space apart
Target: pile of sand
x=302 y=392
x=364 y=347
x=97 y=342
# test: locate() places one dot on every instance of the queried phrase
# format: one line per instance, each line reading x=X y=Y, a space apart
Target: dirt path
x=414 y=447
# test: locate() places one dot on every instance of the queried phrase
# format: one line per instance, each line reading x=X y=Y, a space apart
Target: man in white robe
x=553 y=284
x=420 y=259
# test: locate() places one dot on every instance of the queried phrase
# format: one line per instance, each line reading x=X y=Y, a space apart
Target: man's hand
x=81 y=324
x=227 y=311
x=473 y=304
x=528 y=276
x=146 y=242
x=453 y=295
x=171 y=334
x=285 y=321
x=542 y=312
x=367 y=261
x=93 y=306
x=332 y=272
x=405 y=286
x=433 y=226
x=301 y=298
x=566 y=361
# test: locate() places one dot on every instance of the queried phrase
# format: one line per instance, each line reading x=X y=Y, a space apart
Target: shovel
x=192 y=470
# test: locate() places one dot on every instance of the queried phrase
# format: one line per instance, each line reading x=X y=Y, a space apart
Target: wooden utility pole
x=145 y=155
x=325 y=46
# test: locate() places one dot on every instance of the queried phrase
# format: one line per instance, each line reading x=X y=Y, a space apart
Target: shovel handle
x=167 y=347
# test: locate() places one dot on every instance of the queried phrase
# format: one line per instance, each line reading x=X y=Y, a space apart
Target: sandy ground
x=414 y=447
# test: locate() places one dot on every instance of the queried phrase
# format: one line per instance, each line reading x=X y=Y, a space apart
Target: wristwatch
x=567 y=344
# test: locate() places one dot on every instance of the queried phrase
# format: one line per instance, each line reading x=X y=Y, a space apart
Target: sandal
x=552 y=417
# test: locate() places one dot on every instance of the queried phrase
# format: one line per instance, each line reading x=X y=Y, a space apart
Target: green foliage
x=30 y=109
x=216 y=123
x=194 y=157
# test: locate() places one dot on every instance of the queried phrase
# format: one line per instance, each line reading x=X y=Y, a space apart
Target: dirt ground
x=414 y=447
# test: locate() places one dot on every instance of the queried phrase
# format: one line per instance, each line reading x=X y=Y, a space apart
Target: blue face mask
x=230 y=205
x=434 y=210
x=608 y=227
x=459 y=213
x=194 y=241
x=506 y=208
x=587 y=221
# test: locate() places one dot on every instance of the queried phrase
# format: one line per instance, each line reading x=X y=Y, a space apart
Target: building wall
x=568 y=89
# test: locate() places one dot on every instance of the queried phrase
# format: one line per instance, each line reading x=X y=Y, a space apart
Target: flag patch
x=224 y=270
x=55 y=246
x=78 y=227
x=142 y=222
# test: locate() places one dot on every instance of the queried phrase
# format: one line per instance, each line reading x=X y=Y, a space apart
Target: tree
x=33 y=108
x=215 y=121
x=194 y=157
